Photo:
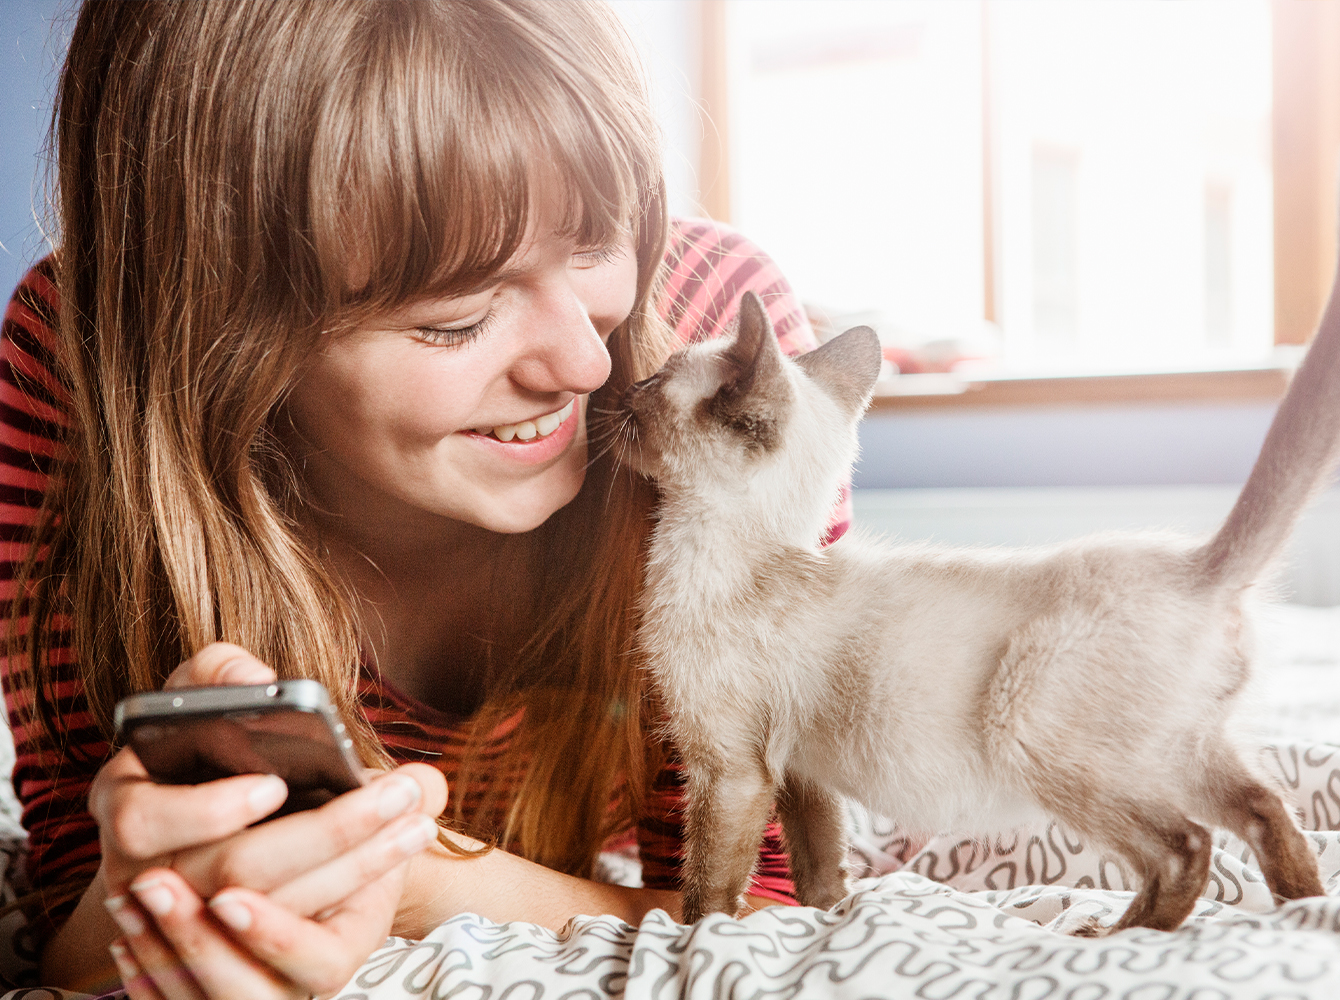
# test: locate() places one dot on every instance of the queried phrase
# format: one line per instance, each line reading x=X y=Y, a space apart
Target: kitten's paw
x=697 y=905
x=824 y=896
x=1077 y=923
x=1088 y=927
x=825 y=891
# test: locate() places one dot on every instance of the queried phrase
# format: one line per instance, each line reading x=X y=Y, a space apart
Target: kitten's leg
x=1169 y=852
x=1235 y=799
x=1172 y=855
x=727 y=812
x=814 y=823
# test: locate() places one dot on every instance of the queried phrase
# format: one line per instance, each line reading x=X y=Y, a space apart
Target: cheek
x=355 y=400
x=613 y=293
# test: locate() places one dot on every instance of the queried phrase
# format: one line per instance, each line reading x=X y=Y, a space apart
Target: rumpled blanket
x=956 y=918
x=961 y=919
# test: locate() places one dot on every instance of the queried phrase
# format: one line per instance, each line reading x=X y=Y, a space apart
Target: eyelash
x=601 y=255
x=442 y=336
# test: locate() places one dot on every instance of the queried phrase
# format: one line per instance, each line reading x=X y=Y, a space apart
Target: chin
x=514 y=516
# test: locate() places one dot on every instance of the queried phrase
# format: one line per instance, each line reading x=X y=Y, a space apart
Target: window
x=1115 y=185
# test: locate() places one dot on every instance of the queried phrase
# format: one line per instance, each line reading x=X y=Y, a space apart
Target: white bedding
x=959 y=918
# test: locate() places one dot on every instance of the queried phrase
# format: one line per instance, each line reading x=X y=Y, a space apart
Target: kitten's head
x=734 y=411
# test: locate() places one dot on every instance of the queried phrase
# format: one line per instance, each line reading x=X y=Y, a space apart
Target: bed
x=950 y=918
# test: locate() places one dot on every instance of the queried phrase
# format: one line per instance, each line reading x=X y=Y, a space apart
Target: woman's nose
x=563 y=351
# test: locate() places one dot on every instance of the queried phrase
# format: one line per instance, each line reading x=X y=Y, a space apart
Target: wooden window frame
x=1305 y=160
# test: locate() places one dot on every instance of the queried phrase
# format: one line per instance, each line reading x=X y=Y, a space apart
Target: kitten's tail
x=1299 y=455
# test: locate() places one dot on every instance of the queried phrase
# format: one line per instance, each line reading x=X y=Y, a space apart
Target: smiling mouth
x=530 y=430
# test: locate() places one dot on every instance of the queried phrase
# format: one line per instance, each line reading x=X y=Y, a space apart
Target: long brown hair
x=220 y=167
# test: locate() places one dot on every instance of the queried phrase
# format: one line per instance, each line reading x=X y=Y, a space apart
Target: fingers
x=243 y=945
x=137 y=985
x=149 y=968
x=321 y=955
x=174 y=950
x=220 y=663
x=356 y=824
x=318 y=890
x=432 y=784
x=139 y=820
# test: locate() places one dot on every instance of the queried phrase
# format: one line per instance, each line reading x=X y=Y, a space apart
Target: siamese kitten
x=952 y=689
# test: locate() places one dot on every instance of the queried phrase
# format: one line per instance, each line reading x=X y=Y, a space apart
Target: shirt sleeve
x=710 y=267
x=51 y=779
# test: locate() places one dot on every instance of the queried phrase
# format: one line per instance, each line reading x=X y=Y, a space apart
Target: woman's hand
x=202 y=830
x=244 y=944
x=342 y=863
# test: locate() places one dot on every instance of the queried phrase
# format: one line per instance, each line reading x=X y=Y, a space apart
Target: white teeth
x=528 y=430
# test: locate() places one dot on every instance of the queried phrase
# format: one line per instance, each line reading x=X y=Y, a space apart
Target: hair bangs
x=589 y=110
x=599 y=191
x=452 y=125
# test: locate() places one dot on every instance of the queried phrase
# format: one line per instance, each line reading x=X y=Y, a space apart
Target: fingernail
x=399 y=794
x=415 y=837
x=154 y=896
x=125 y=964
x=231 y=911
x=124 y=915
x=267 y=795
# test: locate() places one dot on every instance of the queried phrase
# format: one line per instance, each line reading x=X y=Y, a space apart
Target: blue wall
x=31 y=48
x=1133 y=445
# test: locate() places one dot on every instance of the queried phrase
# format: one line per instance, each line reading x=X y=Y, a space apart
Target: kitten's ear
x=847 y=367
x=754 y=352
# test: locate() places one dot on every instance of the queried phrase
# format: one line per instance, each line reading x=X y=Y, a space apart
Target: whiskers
x=612 y=431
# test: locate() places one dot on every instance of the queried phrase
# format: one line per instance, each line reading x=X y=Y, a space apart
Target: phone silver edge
x=297 y=695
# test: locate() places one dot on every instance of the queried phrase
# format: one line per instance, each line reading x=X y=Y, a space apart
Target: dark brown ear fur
x=754 y=353
x=754 y=393
x=847 y=367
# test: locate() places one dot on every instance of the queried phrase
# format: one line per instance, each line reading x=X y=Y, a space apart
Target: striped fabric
x=710 y=267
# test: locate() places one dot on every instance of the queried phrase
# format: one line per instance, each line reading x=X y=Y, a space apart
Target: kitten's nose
x=636 y=389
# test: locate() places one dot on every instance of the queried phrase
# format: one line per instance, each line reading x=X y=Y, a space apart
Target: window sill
x=951 y=391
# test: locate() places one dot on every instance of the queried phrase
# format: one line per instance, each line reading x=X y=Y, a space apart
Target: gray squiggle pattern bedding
x=994 y=926
x=904 y=937
x=955 y=918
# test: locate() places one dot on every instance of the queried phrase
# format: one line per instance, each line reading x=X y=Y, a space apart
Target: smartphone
x=187 y=736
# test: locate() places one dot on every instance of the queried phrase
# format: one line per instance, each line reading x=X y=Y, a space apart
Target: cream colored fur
x=952 y=689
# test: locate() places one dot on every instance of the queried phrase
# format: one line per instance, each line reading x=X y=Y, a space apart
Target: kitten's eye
x=598 y=255
x=453 y=336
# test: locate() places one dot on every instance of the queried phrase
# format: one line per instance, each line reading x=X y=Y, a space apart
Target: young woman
x=312 y=387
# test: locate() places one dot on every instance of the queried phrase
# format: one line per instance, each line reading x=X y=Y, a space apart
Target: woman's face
x=470 y=408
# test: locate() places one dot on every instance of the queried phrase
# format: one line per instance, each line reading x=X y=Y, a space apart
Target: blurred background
x=32 y=44
x=1092 y=236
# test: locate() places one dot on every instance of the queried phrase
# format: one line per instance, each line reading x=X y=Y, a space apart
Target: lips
x=530 y=430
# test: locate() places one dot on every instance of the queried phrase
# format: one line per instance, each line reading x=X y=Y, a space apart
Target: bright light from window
x=1135 y=199
x=856 y=133
x=1125 y=146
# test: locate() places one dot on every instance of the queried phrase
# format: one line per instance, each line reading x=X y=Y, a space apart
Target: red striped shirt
x=709 y=268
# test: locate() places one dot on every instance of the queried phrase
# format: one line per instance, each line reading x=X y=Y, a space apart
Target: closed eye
x=453 y=336
x=598 y=255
